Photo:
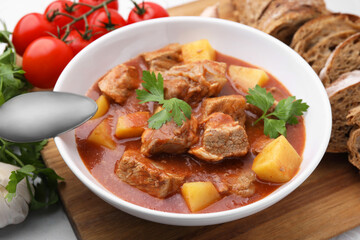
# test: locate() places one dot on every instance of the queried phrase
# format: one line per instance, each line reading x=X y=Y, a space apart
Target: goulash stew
x=187 y=129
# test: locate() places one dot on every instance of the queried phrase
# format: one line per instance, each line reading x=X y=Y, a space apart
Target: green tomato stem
x=93 y=9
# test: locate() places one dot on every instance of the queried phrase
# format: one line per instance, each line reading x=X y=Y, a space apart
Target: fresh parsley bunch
x=286 y=111
x=27 y=156
x=153 y=91
x=12 y=80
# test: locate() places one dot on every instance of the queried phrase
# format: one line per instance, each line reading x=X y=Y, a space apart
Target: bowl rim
x=231 y=214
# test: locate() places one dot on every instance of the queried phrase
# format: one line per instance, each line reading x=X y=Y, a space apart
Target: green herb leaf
x=154 y=85
x=153 y=91
x=274 y=127
x=179 y=110
x=15 y=178
x=260 y=98
x=286 y=111
x=159 y=118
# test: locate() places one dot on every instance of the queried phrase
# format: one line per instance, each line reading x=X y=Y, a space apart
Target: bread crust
x=353 y=145
x=314 y=30
x=248 y=12
x=282 y=18
x=353 y=118
x=343 y=95
x=345 y=58
x=318 y=54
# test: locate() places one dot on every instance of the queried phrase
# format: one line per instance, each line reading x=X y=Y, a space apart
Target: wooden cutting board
x=325 y=205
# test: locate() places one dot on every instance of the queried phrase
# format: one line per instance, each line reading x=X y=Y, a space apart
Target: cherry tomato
x=77 y=41
x=101 y=23
x=30 y=27
x=145 y=11
x=44 y=59
x=113 y=5
x=64 y=7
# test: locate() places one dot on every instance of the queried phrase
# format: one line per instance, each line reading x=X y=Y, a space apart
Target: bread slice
x=248 y=12
x=309 y=34
x=318 y=54
x=282 y=18
x=345 y=58
x=344 y=94
x=354 y=145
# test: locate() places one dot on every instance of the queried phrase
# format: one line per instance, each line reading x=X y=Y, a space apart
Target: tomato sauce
x=101 y=161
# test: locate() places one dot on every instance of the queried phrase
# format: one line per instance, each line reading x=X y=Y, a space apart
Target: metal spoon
x=36 y=116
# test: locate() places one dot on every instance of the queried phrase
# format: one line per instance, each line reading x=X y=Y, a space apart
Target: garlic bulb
x=211 y=11
x=15 y=211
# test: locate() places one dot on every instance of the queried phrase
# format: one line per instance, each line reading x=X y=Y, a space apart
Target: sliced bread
x=248 y=12
x=354 y=145
x=282 y=18
x=318 y=54
x=345 y=58
x=344 y=94
x=309 y=34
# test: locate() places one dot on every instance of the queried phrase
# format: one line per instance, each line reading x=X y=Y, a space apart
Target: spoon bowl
x=36 y=116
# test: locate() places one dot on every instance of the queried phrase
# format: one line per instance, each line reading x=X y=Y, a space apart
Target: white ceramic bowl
x=227 y=37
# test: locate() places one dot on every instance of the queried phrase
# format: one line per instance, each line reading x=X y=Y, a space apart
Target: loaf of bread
x=317 y=55
x=282 y=18
x=309 y=34
x=343 y=95
x=279 y=18
x=248 y=12
x=345 y=58
x=316 y=39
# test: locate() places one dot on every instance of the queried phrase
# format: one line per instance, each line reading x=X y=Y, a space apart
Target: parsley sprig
x=285 y=111
x=173 y=108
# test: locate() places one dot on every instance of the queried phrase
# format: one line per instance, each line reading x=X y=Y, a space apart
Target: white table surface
x=52 y=223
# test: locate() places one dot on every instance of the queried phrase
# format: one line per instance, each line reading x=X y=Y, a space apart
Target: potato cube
x=103 y=106
x=277 y=162
x=198 y=50
x=199 y=195
x=245 y=78
x=101 y=135
x=131 y=125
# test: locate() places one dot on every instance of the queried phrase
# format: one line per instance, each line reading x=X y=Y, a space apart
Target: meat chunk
x=194 y=81
x=239 y=181
x=241 y=184
x=119 y=82
x=164 y=58
x=170 y=138
x=222 y=137
x=148 y=175
x=260 y=142
x=233 y=105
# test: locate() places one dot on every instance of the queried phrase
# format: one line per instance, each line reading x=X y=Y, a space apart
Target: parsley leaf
x=273 y=127
x=154 y=86
x=158 y=119
x=286 y=111
x=260 y=98
x=173 y=108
